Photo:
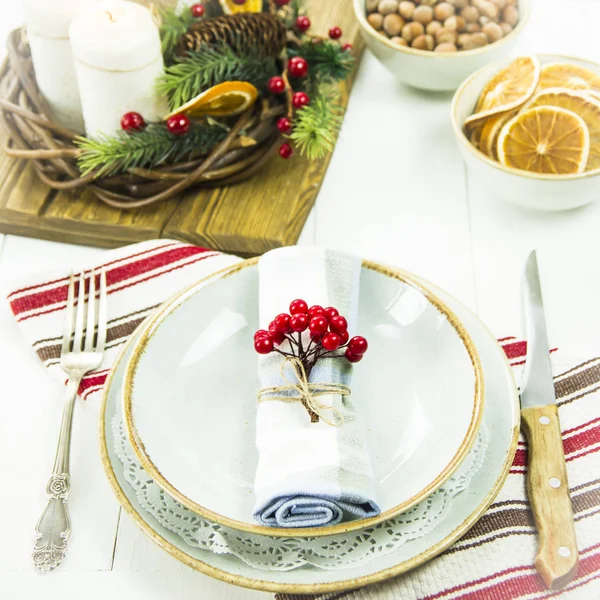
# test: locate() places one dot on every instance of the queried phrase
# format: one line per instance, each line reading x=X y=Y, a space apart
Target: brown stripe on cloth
x=503 y=523
x=51 y=354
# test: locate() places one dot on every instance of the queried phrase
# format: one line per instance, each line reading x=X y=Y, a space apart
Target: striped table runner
x=493 y=561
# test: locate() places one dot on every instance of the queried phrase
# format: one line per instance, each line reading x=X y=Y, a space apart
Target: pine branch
x=327 y=61
x=316 y=127
x=292 y=11
x=199 y=71
x=173 y=25
x=148 y=148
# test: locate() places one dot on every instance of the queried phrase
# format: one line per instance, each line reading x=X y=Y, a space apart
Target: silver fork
x=81 y=352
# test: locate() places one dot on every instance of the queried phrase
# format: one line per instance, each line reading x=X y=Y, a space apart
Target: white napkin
x=310 y=474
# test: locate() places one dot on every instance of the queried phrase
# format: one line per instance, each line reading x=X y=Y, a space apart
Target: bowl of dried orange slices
x=529 y=127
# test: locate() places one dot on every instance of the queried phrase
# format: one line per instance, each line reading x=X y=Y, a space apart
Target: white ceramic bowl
x=190 y=397
x=435 y=70
x=530 y=190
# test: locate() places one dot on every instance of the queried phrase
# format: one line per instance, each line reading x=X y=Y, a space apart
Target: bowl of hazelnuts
x=436 y=44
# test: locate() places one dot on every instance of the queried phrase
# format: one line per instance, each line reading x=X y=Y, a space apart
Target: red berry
x=178 y=124
x=284 y=125
x=358 y=345
x=353 y=358
x=347 y=47
x=318 y=325
x=132 y=121
x=331 y=341
x=197 y=10
x=261 y=333
x=297 y=67
x=285 y=151
x=282 y=323
x=298 y=306
x=331 y=312
x=277 y=337
x=263 y=345
x=316 y=337
x=282 y=2
x=276 y=85
x=335 y=33
x=299 y=322
x=338 y=324
x=302 y=24
x=300 y=99
x=316 y=311
x=344 y=337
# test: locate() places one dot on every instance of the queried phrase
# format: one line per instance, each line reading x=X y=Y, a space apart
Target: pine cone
x=262 y=32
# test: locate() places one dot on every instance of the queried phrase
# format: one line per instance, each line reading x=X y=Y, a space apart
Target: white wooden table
x=397 y=192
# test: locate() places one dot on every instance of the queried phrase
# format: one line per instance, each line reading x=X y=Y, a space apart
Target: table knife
x=547 y=485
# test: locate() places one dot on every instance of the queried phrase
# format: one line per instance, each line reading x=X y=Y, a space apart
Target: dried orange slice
x=507 y=90
x=491 y=131
x=567 y=75
x=545 y=139
x=222 y=100
x=230 y=7
x=583 y=104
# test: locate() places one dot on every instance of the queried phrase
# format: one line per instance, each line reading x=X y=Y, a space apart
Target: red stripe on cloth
x=102 y=266
x=505 y=339
x=515 y=349
x=520 y=585
x=89 y=382
x=567 y=431
x=590 y=451
x=123 y=287
x=113 y=277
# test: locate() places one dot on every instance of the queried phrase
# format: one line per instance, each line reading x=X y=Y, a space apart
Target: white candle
x=47 y=24
x=116 y=47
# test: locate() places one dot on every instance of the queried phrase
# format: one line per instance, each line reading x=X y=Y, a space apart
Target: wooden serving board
x=265 y=212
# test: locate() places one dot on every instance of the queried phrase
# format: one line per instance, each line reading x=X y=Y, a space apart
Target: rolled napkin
x=309 y=474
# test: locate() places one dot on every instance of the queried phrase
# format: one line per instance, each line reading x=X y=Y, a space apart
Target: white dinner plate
x=190 y=395
x=500 y=418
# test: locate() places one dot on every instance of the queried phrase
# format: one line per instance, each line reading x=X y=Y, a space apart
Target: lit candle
x=47 y=25
x=117 y=52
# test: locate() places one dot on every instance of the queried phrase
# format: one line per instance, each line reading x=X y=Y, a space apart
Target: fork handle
x=54 y=526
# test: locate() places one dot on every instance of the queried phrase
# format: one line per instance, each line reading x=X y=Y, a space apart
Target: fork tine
x=79 y=315
x=102 y=316
x=90 y=328
x=68 y=322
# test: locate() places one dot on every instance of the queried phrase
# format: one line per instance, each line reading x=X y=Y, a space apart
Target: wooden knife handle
x=548 y=490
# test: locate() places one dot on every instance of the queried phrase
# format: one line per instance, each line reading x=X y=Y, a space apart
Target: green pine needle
x=292 y=11
x=148 y=148
x=327 y=61
x=199 y=71
x=173 y=25
x=316 y=127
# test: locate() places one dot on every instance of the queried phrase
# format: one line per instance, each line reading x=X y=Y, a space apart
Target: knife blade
x=547 y=484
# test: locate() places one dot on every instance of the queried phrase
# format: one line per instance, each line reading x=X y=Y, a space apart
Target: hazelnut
x=423 y=42
x=486 y=9
x=470 y=14
x=510 y=15
x=493 y=31
x=433 y=27
x=456 y=23
x=412 y=30
x=443 y=10
x=445 y=47
x=400 y=41
x=375 y=20
x=423 y=14
x=393 y=24
x=500 y=4
x=387 y=7
x=506 y=28
x=458 y=4
x=427 y=2
x=469 y=41
x=372 y=5
x=446 y=36
x=484 y=20
x=406 y=9
x=472 y=27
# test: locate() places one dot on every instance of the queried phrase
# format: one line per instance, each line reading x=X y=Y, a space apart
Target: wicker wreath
x=51 y=148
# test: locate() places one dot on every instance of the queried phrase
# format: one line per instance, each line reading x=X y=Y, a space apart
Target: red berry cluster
x=327 y=331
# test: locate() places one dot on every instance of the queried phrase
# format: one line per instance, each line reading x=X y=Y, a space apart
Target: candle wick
x=110 y=16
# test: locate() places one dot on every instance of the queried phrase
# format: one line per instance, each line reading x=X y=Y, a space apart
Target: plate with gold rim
x=190 y=395
x=500 y=417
